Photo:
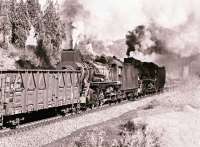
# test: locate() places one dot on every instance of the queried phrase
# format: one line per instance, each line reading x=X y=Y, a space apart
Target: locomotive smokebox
x=70 y=59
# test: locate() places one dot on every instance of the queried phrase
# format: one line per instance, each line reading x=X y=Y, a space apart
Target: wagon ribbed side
x=23 y=92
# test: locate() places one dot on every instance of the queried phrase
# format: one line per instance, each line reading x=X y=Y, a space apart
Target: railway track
x=45 y=122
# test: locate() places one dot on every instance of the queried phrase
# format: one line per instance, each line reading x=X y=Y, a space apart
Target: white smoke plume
x=112 y=20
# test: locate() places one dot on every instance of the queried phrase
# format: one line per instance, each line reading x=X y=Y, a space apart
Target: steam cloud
x=173 y=22
x=178 y=20
x=73 y=11
x=176 y=23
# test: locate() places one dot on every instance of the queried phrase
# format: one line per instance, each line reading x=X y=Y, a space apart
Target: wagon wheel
x=110 y=101
x=78 y=108
x=92 y=106
x=72 y=109
x=99 y=103
x=115 y=99
x=63 y=112
x=15 y=123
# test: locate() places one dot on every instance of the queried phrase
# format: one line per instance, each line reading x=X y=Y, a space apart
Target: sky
x=113 y=18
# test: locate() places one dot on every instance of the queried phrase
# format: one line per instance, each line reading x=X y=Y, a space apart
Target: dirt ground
x=109 y=133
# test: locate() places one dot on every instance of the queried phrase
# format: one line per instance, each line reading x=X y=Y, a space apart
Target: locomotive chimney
x=186 y=70
x=71 y=27
x=69 y=41
x=186 y=67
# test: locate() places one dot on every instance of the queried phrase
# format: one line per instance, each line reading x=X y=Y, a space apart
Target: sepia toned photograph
x=99 y=73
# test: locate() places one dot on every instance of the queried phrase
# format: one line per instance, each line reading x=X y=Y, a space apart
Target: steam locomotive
x=76 y=85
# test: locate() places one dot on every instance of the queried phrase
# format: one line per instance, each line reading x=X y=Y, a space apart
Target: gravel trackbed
x=56 y=131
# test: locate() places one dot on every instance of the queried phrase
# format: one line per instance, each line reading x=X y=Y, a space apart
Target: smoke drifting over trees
x=73 y=10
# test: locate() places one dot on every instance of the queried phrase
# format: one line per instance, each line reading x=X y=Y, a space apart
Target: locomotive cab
x=116 y=70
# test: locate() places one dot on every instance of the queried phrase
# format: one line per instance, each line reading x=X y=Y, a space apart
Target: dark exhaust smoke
x=72 y=12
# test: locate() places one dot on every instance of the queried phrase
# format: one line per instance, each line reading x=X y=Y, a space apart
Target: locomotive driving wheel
x=99 y=103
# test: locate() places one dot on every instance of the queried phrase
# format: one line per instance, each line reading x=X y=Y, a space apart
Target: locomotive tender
x=77 y=84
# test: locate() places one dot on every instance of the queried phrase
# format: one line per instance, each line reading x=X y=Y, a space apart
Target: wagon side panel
x=68 y=88
x=52 y=88
x=61 y=89
x=12 y=93
x=41 y=90
x=75 y=87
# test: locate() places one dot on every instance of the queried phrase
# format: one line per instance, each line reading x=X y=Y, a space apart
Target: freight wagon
x=23 y=92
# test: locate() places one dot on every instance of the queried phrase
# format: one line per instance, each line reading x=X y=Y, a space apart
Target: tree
x=34 y=9
x=19 y=23
x=35 y=14
x=53 y=33
x=5 y=25
x=5 y=31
